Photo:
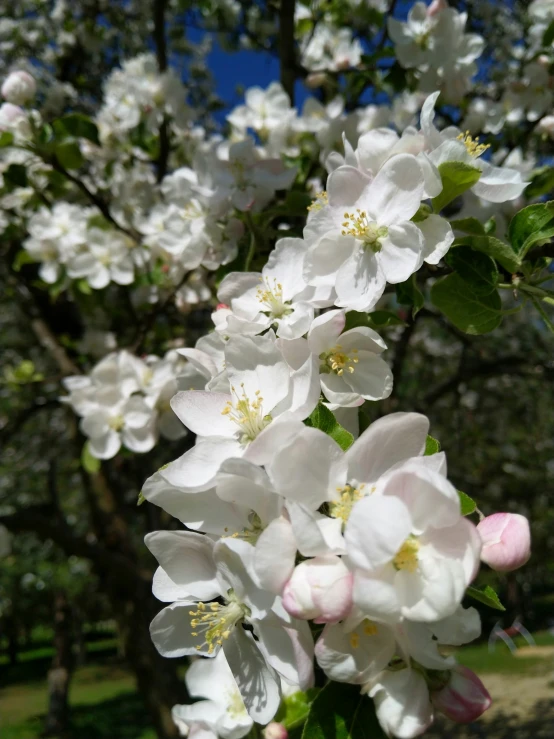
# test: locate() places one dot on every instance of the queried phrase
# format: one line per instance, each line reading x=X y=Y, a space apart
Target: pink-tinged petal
x=506 y=541
x=202 y=412
x=376 y=529
x=388 y=441
x=320 y=589
x=464 y=698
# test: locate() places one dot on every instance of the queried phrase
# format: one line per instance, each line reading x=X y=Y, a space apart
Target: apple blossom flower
x=506 y=541
x=265 y=401
x=275 y=730
x=19 y=87
x=319 y=589
x=350 y=368
x=223 y=710
x=193 y=573
x=363 y=236
x=464 y=698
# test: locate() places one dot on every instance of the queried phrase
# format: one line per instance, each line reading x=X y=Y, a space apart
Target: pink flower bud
x=19 y=87
x=506 y=541
x=275 y=731
x=436 y=7
x=319 y=589
x=222 y=306
x=465 y=697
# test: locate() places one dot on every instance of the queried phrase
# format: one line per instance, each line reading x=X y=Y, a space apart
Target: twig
x=287 y=51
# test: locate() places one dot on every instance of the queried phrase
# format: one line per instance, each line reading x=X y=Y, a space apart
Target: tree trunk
x=59 y=674
x=11 y=634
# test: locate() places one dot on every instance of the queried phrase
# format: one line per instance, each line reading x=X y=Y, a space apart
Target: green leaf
x=503 y=253
x=294 y=709
x=6 y=139
x=296 y=203
x=530 y=225
x=341 y=712
x=376 y=320
x=90 y=464
x=468 y=310
x=69 y=155
x=468 y=226
x=141 y=499
x=467 y=504
x=21 y=258
x=325 y=421
x=477 y=269
x=408 y=293
x=457 y=177
x=83 y=287
x=487 y=596
x=16 y=175
x=548 y=35
x=432 y=446
x=542 y=183
x=76 y=125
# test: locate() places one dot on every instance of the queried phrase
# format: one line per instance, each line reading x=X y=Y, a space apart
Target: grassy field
x=105 y=704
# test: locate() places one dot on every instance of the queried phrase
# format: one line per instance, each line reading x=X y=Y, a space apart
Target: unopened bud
x=436 y=7
x=464 y=698
x=222 y=306
x=275 y=731
x=315 y=80
x=19 y=88
x=319 y=589
x=506 y=541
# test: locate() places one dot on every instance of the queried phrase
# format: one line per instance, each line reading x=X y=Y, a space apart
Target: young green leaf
x=487 y=596
x=6 y=139
x=325 y=421
x=457 y=177
x=76 y=125
x=376 y=320
x=69 y=154
x=531 y=224
x=467 y=504
x=432 y=446
x=468 y=226
x=340 y=711
x=471 y=312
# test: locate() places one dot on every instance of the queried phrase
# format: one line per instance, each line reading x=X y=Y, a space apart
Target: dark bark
x=287 y=50
x=59 y=675
x=10 y=627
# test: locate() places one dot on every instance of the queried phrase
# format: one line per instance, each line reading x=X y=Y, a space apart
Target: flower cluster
x=285 y=525
x=125 y=401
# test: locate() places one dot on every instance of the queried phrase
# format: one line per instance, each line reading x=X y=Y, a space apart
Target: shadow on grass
x=123 y=717
x=538 y=724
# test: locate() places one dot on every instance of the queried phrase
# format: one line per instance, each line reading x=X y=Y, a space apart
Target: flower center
x=116 y=422
x=358 y=225
x=250 y=533
x=247 y=414
x=321 y=199
x=272 y=298
x=337 y=361
x=342 y=506
x=473 y=147
x=215 y=622
x=368 y=627
x=406 y=557
x=235 y=705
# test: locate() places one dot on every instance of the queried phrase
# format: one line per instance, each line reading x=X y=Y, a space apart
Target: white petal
x=188 y=560
x=202 y=412
x=372 y=377
x=402 y=703
x=196 y=469
x=395 y=194
x=376 y=529
x=360 y=281
x=325 y=330
x=275 y=555
x=171 y=631
x=257 y=681
x=388 y=441
x=438 y=236
x=402 y=252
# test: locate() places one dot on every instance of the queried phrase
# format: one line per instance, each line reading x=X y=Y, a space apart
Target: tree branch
x=160 y=42
x=287 y=50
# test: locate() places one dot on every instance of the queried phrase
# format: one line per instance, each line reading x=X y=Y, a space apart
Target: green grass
x=502 y=660
x=103 y=699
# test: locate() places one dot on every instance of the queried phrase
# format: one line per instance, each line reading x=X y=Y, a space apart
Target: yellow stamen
x=216 y=624
x=406 y=557
x=321 y=199
x=247 y=414
x=337 y=361
x=474 y=148
x=358 y=225
x=343 y=504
